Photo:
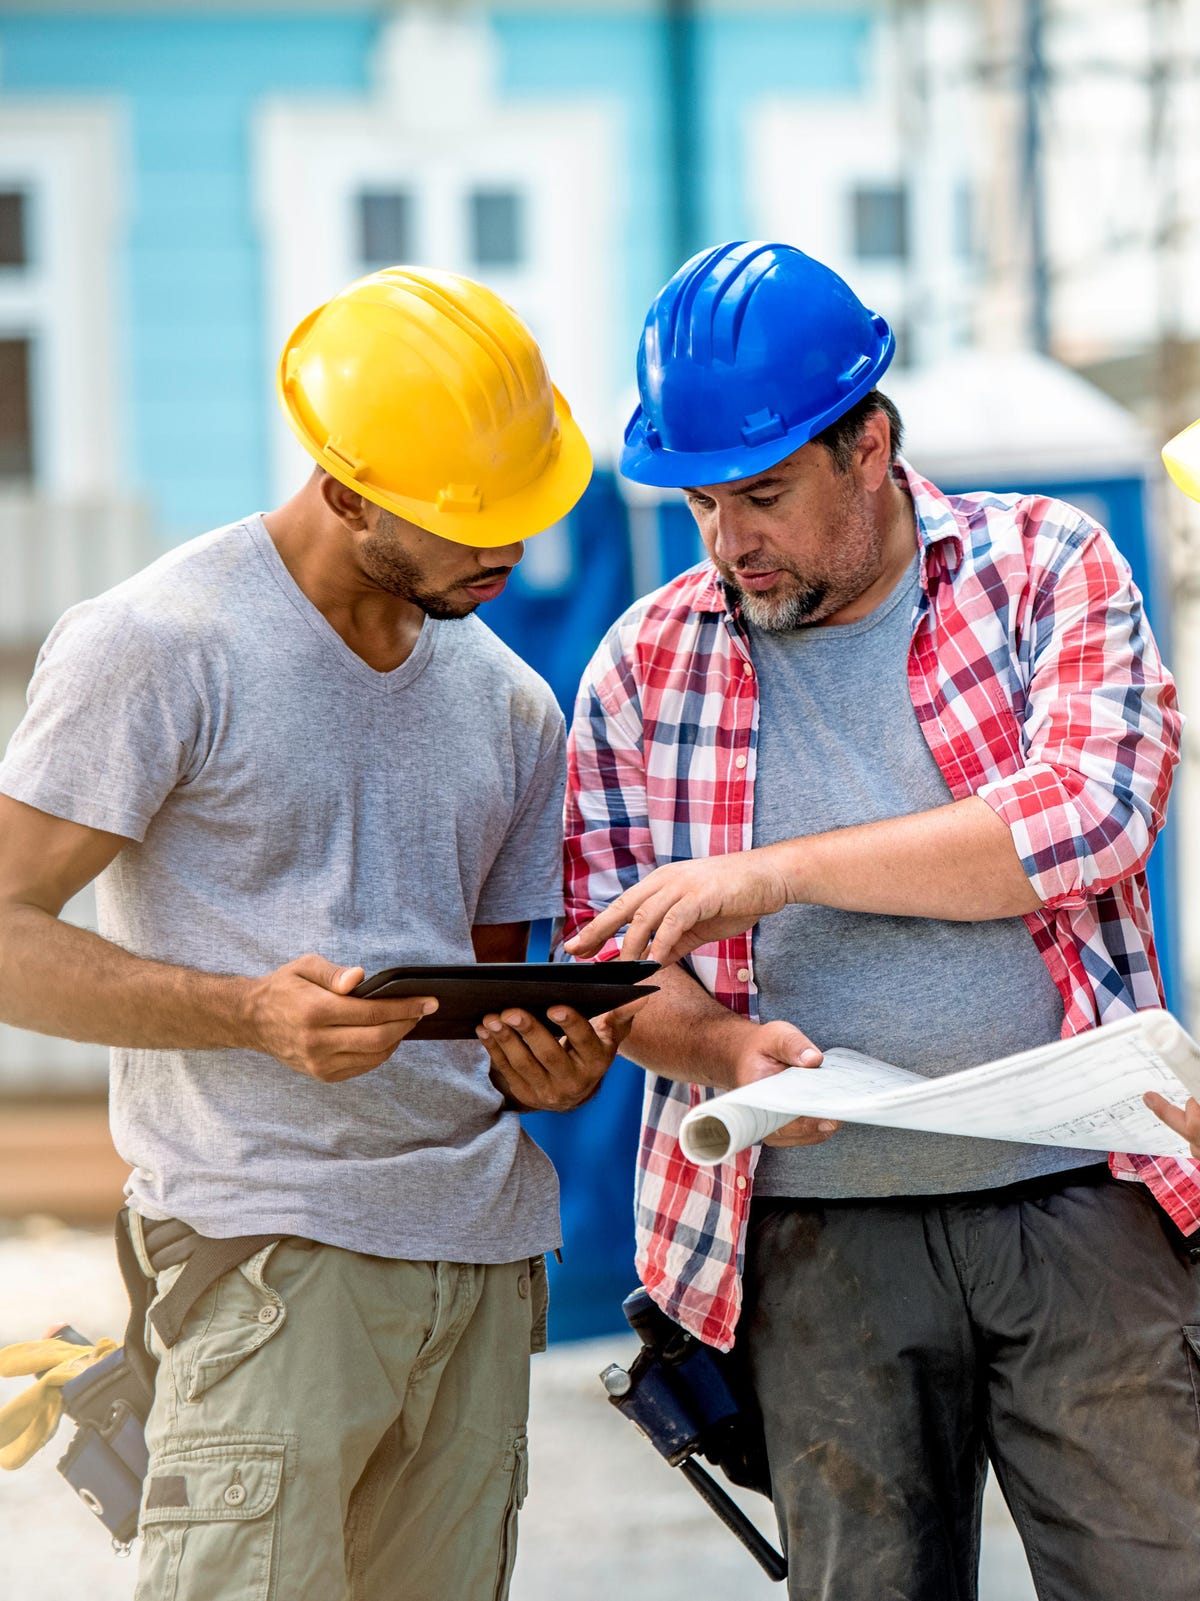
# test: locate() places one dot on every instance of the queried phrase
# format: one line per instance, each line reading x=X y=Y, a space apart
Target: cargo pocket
x=209 y=1518
x=231 y=1320
x=516 y=1468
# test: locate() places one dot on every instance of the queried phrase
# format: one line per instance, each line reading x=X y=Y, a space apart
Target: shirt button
x=267 y=1314
x=740 y=1181
x=523 y=1286
x=235 y=1495
x=748 y=669
x=739 y=761
x=743 y=973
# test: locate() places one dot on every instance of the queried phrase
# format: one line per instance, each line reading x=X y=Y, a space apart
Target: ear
x=873 y=452
x=346 y=504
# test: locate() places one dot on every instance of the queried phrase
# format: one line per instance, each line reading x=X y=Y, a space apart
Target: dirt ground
x=606 y=1520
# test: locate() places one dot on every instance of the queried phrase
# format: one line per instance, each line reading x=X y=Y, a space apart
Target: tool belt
x=167 y=1243
x=106 y=1461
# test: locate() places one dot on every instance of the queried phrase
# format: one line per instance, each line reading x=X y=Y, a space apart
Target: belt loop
x=137 y=1238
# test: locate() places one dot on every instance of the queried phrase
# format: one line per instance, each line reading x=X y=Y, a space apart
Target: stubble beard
x=808 y=599
x=396 y=573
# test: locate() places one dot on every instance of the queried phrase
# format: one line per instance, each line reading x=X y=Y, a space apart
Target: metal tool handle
x=735 y=1520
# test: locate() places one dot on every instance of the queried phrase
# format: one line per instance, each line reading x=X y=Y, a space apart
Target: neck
x=318 y=552
x=893 y=512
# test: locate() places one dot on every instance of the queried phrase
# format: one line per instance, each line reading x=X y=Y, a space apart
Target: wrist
x=239 y=1008
x=728 y=1046
x=787 y=862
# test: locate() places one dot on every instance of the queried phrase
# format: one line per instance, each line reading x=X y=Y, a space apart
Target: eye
x=762 y=500
x=698 y=502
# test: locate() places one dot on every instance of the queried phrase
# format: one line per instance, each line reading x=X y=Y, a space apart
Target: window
x=14 y=228
x=497 y=227
x=880 y=221
x=520 y=196
x=386 y=227
x=16 y=425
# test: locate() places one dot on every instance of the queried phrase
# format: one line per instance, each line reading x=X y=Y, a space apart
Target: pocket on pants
x=209 y=1519
x=516 y=1467
x=539 y=1303
x=232 y=1319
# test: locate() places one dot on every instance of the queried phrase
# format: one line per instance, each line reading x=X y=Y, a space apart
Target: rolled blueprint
x=1084 y=1092
x=707 y=1138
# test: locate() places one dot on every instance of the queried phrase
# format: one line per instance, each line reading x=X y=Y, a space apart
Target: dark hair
x=842 y=435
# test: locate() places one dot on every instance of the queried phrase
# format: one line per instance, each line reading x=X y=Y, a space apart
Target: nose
x=730 y=534
x=501 y=555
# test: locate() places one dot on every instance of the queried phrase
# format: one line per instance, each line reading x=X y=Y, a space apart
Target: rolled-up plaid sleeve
x=1101 y=731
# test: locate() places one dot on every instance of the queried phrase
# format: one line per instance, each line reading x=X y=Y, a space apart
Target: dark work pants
x=897 y=1345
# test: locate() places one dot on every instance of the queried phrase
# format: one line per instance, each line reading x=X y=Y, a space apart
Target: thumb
x=789 y=1044
x=619 y=1021
x=319 y=970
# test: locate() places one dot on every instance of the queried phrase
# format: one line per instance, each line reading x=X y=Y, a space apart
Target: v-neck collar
x=398 y=678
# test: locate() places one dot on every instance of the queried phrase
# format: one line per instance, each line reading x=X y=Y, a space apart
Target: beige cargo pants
x=338 y=1427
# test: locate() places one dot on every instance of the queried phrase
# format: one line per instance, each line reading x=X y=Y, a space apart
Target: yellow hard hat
x=1182 y=456
x=427 y=394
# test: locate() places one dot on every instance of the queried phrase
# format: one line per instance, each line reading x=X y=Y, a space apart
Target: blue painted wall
x=743 y=58
x=195 y=366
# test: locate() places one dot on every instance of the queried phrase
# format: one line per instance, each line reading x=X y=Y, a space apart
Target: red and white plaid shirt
x=1038 y=685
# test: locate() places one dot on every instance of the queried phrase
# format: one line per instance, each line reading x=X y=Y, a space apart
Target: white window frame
x=314 y=157
x=65 y=156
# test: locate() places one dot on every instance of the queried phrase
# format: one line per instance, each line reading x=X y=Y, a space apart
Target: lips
x=487 y=591
x=758 y=581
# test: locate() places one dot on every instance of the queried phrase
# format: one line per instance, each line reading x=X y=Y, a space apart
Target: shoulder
x=186 y=593
x=1046 y=531
x=1010 y=540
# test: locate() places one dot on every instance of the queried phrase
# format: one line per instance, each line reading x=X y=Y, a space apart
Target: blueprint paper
x=1084 y=1092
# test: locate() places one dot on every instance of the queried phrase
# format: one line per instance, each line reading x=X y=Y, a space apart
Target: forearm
x=956 y=862
x=58 y=979
x=684 y=1033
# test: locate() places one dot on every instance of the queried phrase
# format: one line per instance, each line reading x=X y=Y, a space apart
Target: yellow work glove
x=29 y=1419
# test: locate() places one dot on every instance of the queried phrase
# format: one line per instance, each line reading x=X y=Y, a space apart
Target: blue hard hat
x=748 y=353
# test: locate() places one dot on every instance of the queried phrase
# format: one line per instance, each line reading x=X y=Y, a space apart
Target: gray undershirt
x=839 y=744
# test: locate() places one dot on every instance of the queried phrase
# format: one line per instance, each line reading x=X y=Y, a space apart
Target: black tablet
x=468 y=993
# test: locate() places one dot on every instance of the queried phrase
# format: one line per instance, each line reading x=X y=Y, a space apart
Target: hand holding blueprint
x=1084 y=1092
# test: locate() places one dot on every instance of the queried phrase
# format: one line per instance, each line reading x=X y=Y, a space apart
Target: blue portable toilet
x=1016 y=421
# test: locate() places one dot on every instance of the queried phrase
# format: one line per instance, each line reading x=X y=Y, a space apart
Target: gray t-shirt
x=839 y=744
x=282 y=796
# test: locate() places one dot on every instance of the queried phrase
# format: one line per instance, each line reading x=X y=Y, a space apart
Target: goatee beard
x=784 y=614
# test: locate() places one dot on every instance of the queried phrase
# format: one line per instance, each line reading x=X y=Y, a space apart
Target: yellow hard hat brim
x=529 y=511
x=1182 y=458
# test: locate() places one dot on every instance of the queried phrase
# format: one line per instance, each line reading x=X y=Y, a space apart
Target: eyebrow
x=747 y=489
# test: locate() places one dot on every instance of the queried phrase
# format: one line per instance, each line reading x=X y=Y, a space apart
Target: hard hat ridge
x=748 y=352
x=446 y=298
